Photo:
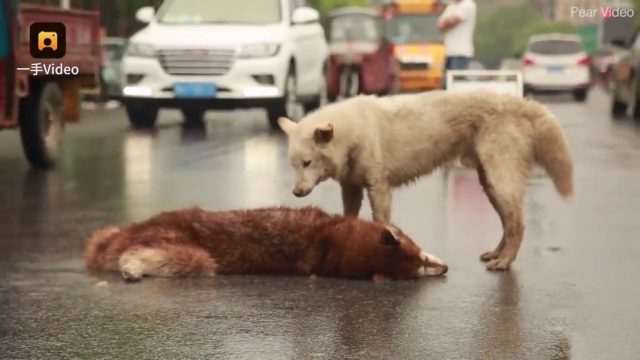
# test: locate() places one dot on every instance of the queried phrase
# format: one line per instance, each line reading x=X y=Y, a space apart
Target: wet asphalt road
x=572 y=293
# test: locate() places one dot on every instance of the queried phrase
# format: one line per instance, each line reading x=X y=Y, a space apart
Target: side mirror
x=305 y=15
x=619 y=43
x=145 y=14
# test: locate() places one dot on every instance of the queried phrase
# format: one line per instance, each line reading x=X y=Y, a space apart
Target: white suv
x=196 y=55
x=556 y=62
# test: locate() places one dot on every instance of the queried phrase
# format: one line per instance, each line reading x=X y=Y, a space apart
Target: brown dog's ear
x=389 y=237
x=323 y=135
x=286 y=125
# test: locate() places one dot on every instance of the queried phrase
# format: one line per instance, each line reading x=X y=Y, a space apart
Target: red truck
x=40 y=104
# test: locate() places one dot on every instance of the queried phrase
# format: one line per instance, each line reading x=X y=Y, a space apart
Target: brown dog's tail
x=552 y=152
x=98 y=254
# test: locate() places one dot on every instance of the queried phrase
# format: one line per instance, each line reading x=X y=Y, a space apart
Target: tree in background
x=504 y=33
x=539 y=27
x=324 y=6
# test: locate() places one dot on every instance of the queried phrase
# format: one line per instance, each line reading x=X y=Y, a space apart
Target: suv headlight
x=140 y=50
x=253 y=51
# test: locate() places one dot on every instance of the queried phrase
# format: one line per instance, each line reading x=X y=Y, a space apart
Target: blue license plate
x=555 y=69
x=195 y=90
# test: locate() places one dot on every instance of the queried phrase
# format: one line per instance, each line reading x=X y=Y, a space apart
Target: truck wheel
x=42 y=124
x=141 y=116
x=288 y=106
x=193 y=116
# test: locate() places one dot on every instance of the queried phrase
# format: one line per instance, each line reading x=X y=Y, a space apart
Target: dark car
x=625 y=75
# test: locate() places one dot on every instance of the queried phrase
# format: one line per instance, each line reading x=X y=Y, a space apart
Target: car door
x=310 y=52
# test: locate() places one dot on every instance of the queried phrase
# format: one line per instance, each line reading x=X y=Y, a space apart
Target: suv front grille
x=196 y=61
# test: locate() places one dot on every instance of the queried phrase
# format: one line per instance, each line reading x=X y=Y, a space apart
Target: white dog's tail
x=552 y=152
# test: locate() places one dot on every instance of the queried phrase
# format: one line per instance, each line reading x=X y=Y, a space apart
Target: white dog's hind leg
x=504 y=177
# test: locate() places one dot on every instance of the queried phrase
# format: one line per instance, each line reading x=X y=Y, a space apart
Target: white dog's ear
x=286 y=125
x=323 y=135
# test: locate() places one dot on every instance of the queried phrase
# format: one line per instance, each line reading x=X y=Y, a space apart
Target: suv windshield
x=220 y=12
x=413 y=29
x=556 y=47
x=354 y=28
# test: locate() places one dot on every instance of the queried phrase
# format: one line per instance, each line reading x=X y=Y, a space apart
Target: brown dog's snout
x=443 y=269
x=433 y=265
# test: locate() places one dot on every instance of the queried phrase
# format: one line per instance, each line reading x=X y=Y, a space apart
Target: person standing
x=457 y=23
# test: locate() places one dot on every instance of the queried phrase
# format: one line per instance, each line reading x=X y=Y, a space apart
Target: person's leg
x=454 y=63
x=447 y=66
x=459 y=63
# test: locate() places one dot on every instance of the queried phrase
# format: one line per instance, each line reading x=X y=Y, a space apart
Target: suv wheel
x=319 y=101
x=141 y=115
x=580 y=95
x=323 y=94
x=193 y=116
x=287 y=106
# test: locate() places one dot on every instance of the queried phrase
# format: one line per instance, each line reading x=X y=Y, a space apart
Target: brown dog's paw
x=490 y=255
x=131 y=273
x=499 y=264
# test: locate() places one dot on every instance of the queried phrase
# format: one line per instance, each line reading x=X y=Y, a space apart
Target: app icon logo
x=48 y=40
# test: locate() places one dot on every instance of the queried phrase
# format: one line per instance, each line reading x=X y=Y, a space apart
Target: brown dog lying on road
x=281 y=241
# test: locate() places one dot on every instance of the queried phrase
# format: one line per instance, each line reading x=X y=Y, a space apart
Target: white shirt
x=458 y=40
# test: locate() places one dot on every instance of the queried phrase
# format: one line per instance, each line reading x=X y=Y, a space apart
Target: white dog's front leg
x=351 y=199
x=380 y=198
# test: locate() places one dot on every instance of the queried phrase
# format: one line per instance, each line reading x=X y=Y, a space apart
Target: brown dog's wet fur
x=282 y=241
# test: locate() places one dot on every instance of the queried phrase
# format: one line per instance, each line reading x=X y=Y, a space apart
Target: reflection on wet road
x=572 y=292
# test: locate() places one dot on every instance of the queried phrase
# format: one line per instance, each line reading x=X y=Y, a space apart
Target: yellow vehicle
x=412 y=27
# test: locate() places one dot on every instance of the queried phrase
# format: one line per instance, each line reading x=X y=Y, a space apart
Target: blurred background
x=516 y=21
x=132 y=135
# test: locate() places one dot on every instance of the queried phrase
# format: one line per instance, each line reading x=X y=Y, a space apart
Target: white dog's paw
x=490 y=255
x=499 y=264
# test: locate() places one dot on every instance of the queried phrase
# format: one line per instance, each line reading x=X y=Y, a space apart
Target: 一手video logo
x=48 y=40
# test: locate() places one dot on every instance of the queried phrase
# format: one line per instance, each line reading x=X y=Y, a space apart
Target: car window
x=556 y=47
x=412 y=28
x=220 y=12
x=354 y=28
x=297 y=4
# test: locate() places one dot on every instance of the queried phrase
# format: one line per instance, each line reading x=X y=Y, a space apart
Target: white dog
x=380 y=143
